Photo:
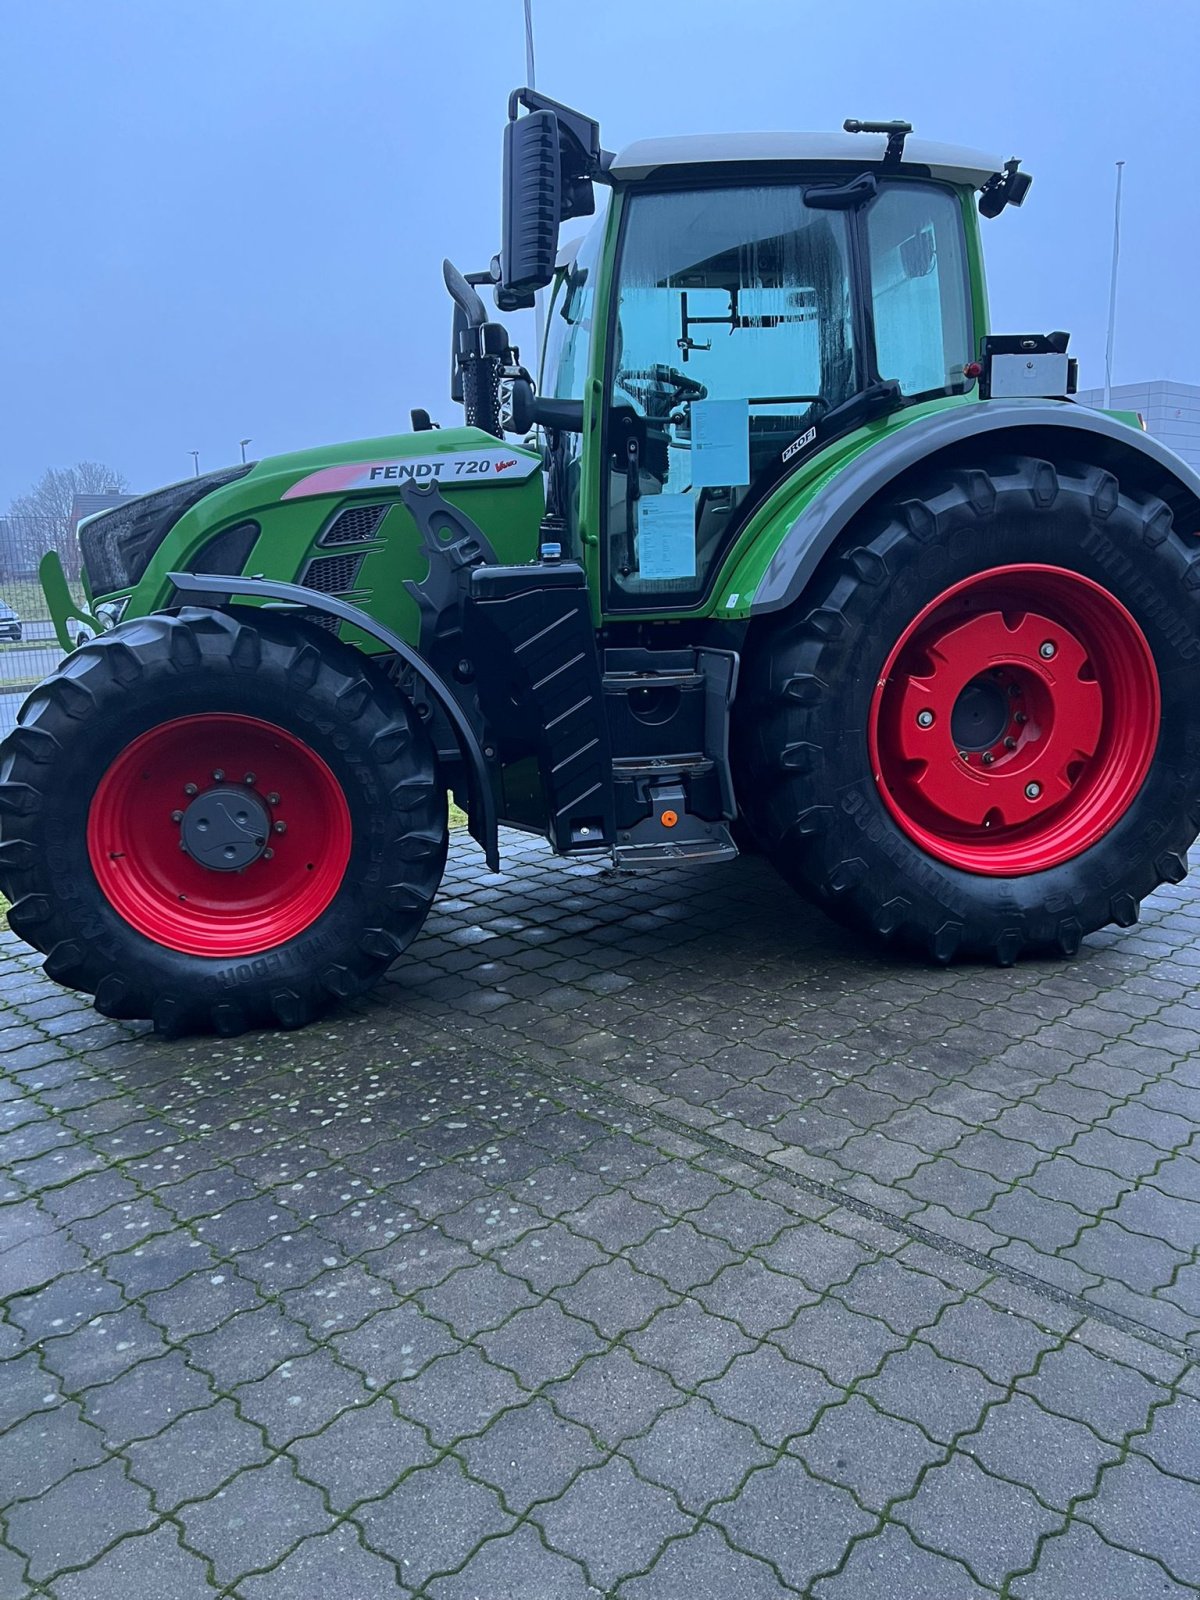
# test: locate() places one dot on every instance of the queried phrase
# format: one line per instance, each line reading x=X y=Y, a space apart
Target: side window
x=919 y=288
x=565 y=357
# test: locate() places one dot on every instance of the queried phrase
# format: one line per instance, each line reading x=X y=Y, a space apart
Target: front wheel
x=218 y=822
x=983 y=737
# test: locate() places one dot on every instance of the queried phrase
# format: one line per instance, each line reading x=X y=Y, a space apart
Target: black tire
x=803 y=754
x=147 y=672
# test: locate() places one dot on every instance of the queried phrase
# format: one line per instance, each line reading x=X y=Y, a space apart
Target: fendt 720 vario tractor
x=782 y=546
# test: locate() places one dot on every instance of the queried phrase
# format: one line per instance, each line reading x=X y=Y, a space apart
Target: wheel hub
x=1014 y=720
x=225 y=829
x=980 y=716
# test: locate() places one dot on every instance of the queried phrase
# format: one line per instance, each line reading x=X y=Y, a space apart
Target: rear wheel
x=983 y=737
x=218 y=822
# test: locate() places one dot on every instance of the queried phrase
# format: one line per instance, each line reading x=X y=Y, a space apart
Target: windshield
x=733 y=334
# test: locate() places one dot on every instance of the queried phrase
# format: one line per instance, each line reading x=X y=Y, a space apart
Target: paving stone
x=1001 y=1345
x=146 y=1398
x=990 y=1524
x=1110 y=1398
x=777 y=1397
x=64 y=1305
x=612 y=1521
x=362 y=1453
x=549 y=1257
x=616 y=1298
x=1078 y=1562
x=104 y=1348
x=334 y=1564
x=703 y=1567
x=1173 y=1442
x=839 y=1341
x=529 y=1454
x=942 y=1397
x=755 y=1296
x=248 y=1525
x=249 y=1345
x=786 y=1516
x=614 y=1395
x=541 y=1343
x=475 y=1299
x=36 y=1453
x=517 y=1567
x=73 y=1522
x=394 y=1343
x=890 y=1566
x=864 y=1449
x=699 y=1454
x=1148 y=1511
x=616 y=1221
x=432 y=1521
x=200 y=1302
x=195 y=1454
x=300 y=1397
x=456 y=1395
x=1055 y=1457
x=150 y=1566
x=681 y=1256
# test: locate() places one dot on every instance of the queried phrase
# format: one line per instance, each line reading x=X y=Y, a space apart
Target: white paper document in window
x=667 y=536
x=720 y=443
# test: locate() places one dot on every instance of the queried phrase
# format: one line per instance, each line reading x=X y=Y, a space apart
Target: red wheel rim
x=1015 y=720
x=159 y=792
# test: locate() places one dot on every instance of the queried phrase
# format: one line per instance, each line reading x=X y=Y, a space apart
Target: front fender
x=208 y=587
x=1088 y=435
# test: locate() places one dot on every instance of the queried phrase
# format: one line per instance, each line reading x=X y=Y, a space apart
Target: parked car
x=10 y=622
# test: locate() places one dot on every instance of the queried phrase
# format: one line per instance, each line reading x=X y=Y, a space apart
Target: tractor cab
x=737 y=303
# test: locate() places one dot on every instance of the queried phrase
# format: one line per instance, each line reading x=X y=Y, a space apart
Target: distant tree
x=41 y=519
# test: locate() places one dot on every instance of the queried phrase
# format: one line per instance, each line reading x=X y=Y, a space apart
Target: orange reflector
x=669 y=819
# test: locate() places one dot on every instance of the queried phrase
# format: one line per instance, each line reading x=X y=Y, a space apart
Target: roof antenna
x=896 y=132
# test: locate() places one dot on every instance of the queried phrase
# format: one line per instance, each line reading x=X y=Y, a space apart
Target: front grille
x=355 y=525
x=332 y=574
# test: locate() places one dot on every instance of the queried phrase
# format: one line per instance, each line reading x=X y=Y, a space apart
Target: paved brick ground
x=645 y=1237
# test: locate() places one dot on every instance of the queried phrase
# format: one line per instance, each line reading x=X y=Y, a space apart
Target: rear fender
x=1062 y=431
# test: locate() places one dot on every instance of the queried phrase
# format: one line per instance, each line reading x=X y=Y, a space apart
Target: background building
x=1171 y=411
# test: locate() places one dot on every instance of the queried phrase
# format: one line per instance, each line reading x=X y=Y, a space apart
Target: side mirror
x=532 y=202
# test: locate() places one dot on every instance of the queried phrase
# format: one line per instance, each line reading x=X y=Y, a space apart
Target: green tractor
x=782 y=546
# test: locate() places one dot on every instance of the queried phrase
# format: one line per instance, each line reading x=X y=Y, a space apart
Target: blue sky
x=226 y=219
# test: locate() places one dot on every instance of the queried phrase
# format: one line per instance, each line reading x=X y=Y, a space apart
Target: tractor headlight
x=110 y=612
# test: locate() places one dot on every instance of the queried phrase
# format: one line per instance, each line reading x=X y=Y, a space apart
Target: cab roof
x=950 y=162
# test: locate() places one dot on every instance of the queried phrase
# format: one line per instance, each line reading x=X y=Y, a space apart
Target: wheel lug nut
x=248 y=780
x=268 y=854
x=280 y=827
x=190 y=789
x=924 y=719
x=1048 y=650
x=177 y=816
x=1010 y=743
x=272 y=798
x=1020 y=719
x=964 y=755
x=1014 y=689
x=218 y=775
x=988 y=758
x=1032 y=791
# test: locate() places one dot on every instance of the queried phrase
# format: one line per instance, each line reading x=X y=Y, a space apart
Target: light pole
x=244 y=443
x=195 y=455
x=1112 y=293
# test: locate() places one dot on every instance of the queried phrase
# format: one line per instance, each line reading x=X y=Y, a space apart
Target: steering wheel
x=659 y=388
